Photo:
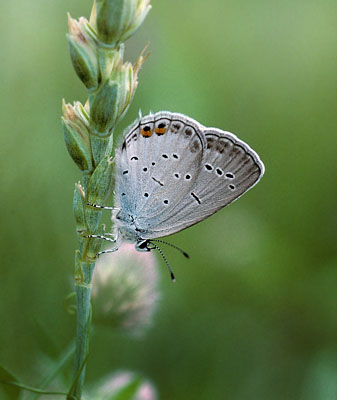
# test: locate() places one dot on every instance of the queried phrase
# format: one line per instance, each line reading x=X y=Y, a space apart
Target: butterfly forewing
x=158 y=163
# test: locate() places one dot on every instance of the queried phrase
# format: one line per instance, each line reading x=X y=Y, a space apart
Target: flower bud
x=117 y=20
x=124 y=384
x=82 y=50
x=125 y=292
x=128 y=80
x=79 y=209
x=101 y=182
x=104 y=108
x=76 y=134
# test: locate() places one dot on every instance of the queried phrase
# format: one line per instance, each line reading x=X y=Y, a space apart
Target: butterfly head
x=144 y=245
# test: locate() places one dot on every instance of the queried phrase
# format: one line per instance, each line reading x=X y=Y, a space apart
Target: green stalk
x=96 y=52
x=83 y=321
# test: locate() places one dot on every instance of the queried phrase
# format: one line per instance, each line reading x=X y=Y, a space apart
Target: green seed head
x=76 y=135
x=82 y=47
x=101 y=182
x=117 y=20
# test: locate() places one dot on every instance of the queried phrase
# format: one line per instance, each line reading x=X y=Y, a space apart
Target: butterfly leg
x=102 y=207
x=114 y=240
x=107 y=251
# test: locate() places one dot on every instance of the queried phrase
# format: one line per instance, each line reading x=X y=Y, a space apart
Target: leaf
x=10 y=391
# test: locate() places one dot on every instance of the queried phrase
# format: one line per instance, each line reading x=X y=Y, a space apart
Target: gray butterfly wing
x=158 y=162
x=229 y=168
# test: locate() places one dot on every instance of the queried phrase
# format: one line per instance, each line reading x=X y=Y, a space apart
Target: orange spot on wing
x=160 y=131
x=146 y=133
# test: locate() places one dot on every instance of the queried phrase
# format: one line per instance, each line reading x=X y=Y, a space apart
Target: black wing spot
x=134 y=136
x=146 y=195
x=161 y=125
x=125 y=172
x=145 y=169
x=174 y=155
x=196 y=198
x=153 y=163
x=146 y=128
x=165 y=201
x=209 y=167
x=232 y=187
x=156 y=180
x=123 y=194
x=134 y=158
x=164 y=155
x=176 y=175
x=187 y=176
x=229 y=175
x=219 y=172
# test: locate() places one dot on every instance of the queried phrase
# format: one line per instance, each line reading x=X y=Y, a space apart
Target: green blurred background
x=254 y=312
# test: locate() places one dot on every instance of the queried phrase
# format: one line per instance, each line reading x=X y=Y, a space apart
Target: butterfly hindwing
x=229 y=168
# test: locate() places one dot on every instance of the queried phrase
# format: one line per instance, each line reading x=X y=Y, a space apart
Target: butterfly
x=171 y=173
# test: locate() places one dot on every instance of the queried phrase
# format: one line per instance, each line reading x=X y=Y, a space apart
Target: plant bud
x=104 y=108
x=82 y=50
x=101 y=182
x=117 y=20
x=79 y=209
x=76 y=135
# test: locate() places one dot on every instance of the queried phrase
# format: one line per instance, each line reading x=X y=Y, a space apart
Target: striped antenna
x=172 y=245
x=166 y=262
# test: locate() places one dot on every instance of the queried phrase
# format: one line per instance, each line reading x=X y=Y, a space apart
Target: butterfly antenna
x=172 y=245
x=166 y=262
